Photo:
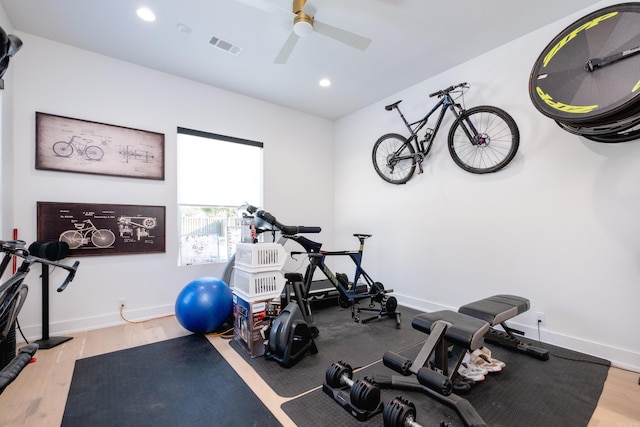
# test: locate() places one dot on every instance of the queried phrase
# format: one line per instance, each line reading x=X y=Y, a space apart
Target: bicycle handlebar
x=449 y=89
x=72 y=273
x=285 y=229
x=17 y=248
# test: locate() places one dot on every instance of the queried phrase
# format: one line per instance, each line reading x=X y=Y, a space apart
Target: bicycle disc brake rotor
x=482 y=140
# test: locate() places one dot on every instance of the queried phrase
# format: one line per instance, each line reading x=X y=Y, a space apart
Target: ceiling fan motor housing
x=302 y=23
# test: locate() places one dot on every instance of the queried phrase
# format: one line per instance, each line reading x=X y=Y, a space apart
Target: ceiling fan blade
x=268 y=7
x=286 y=49
x=343 y=36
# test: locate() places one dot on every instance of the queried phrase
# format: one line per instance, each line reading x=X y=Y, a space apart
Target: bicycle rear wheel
x=483 y=139
x=93 y=152
x=394 y=158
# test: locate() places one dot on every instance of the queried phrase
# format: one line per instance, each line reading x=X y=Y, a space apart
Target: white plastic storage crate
x=265 y=284
x=256 y=257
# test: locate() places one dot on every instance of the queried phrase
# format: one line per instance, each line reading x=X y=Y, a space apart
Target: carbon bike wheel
x=63 y=149
x=617 y=137
x=394 y=158
x=483 y=139
x=588 y=74
x=624 y=131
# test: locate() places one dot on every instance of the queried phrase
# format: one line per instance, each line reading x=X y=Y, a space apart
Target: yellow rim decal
x=573 y=34
x=636 y=87
x=576 y=109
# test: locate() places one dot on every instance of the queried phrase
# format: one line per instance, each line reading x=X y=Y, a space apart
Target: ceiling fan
x=304 y=24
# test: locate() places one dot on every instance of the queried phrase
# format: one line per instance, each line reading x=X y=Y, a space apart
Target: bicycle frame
x=445 y=104
x=10 y=290
x=348 y=292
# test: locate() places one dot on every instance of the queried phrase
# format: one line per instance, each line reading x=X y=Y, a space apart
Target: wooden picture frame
x=93 y=229
x=73 y=145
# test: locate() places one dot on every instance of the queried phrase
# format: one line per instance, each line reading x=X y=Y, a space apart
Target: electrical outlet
x=540 y=318
x=122 y=303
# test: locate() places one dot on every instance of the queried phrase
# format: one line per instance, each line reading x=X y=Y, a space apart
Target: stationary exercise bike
x=292 y=333
x=350 y=293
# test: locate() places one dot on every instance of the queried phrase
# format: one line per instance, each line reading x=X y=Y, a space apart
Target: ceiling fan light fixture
x=302 y=27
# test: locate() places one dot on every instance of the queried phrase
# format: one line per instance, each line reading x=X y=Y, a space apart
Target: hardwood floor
x=37 y=397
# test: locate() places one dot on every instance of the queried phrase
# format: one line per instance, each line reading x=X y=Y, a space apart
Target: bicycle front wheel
x=103 y=238
x=483 y=139
x=394 y=158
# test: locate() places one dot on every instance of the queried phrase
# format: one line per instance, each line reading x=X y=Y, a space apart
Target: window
x=216 y=175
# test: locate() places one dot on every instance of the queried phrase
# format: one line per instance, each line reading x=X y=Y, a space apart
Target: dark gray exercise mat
x=340 y=338
x=178 y=382
x=562 y=391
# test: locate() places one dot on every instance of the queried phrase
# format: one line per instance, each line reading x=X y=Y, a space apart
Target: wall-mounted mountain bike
x=481 y=140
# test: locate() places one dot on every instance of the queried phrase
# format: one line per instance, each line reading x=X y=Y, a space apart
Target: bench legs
x=508 y=338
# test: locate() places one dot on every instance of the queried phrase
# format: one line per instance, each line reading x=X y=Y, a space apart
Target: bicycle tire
x=73 y=238
x=615 y=138
x=103 y=238
x=384 y=156
x=93 y=152
x=62 y=149
x=496 y=142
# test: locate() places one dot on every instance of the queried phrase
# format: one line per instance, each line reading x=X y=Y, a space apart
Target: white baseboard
x=620 y=358
x=34 y=332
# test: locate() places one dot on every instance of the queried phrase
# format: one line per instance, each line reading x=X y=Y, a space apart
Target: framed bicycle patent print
x=92 y=229
x=73 y=145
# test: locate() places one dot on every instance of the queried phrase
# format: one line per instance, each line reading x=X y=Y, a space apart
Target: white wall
x=559 y=225
x=58 y=79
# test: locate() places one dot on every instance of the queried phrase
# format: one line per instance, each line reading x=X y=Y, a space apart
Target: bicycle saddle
x=392 y=106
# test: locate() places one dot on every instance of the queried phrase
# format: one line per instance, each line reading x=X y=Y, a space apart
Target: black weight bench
x=496 y=310
x=451 y=336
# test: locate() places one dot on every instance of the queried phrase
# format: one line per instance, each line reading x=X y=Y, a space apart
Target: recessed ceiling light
x=325 y=82
x=146 y=14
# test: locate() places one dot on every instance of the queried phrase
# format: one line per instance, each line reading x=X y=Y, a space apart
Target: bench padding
x=496 y=309
x=463 y=330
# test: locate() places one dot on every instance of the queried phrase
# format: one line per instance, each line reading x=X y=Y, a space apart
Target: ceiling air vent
x=225 y=45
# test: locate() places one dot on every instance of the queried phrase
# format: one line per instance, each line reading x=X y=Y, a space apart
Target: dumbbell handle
x=344 y=379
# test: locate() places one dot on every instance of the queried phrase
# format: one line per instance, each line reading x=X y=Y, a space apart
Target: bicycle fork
x=469 y=129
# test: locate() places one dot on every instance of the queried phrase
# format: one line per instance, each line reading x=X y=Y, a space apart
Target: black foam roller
x=435 y=381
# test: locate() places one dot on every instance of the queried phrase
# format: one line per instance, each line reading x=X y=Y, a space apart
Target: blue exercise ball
x=204 y=304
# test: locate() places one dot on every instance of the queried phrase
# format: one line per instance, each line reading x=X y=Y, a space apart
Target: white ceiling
x=411 y=41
